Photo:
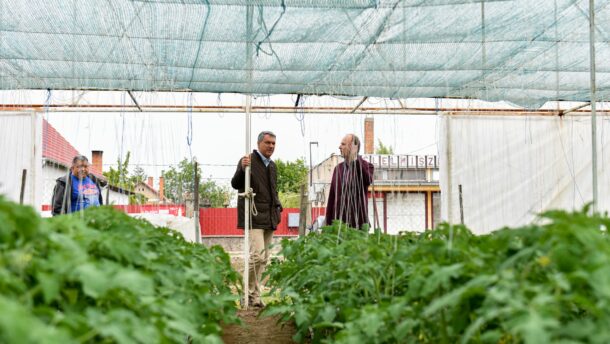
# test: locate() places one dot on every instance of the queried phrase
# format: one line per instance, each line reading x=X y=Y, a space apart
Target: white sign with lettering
x=394 y=161
x=402 y=161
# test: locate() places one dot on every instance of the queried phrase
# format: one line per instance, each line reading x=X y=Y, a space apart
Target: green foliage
x=123 y=179
x=290 y=199
x=217 y=196
x=104 y=277
x=137 y=199
x=120 y=177
x=139 y=175
x=290 y=175
x=536 y=284
x=180 y=181
x=382 y=149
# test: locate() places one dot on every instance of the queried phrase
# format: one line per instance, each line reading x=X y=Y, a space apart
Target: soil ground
x=255 y=329
x=258 y=330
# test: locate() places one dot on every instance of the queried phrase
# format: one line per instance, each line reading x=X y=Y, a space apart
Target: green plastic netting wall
x=522 y=51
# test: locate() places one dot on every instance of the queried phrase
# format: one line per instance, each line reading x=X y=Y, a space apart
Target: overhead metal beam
x=290 y=110
x=402 y=105
x=134 y=100
x=564 y=112
x=357 y=106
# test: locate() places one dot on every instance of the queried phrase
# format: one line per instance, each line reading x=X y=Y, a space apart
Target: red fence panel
x=214 y=221
x=173 y=209
x=219 y=222
x=176 y=210
x=223 y=222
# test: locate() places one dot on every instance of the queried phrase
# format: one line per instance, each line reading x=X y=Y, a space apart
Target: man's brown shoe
x=257 y=303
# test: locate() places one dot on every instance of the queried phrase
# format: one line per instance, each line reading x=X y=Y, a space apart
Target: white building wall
x=21 y=149
x=115 y=198
x=50 y=173
x=406 y=212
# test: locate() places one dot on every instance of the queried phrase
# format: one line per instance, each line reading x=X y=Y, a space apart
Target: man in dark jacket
x=348 y=194
x=265 y=214
x=78 y=190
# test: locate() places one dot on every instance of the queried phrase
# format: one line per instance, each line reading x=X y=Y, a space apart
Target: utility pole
x=311 y=189
x=311 y=165
x=23 y=178
x=196 y=204
x=304 y=207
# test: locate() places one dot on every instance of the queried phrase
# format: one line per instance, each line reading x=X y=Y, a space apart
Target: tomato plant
x=102 y=276
x=541 y=283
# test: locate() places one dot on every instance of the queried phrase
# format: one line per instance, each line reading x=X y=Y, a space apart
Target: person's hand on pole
x=245 y=162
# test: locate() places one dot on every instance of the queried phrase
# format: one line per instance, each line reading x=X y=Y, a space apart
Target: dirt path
x=263 y=330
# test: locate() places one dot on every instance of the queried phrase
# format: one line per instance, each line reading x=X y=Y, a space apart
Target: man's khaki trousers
x=260 y=240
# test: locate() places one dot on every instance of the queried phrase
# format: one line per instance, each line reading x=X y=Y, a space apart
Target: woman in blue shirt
x=84 y=189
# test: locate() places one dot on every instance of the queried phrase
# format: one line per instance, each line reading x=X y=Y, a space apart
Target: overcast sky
x=158 y=140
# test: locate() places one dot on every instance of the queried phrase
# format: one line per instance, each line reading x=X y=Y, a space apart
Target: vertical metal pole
x=461 y=204
x=33 y=161
x=247 y=207
x=311 y=164
x=247 y=182
x=196 y=203
x=447 y=158
x=310 y=168
x=385 y=213
x=483 y=50
x=303 y=208
x=23 y=179
x=593 y=100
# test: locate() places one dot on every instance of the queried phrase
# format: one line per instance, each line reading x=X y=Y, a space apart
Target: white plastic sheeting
x=21 y=149
x=183 y=225
x=513 y=167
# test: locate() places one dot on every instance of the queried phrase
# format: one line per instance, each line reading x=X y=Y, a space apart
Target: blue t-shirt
x=85 y=194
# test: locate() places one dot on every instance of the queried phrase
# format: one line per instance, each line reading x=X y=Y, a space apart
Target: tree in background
x=290 y=176
x=120 y=176
x=123 y=179
x=180 y=181
x=382 y=149
x=139 y=175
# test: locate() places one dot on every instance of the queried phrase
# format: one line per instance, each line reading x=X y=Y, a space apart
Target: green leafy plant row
x=101 y=276
x=547 y=283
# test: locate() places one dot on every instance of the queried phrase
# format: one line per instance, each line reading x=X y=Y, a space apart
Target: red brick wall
x=96 y=162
